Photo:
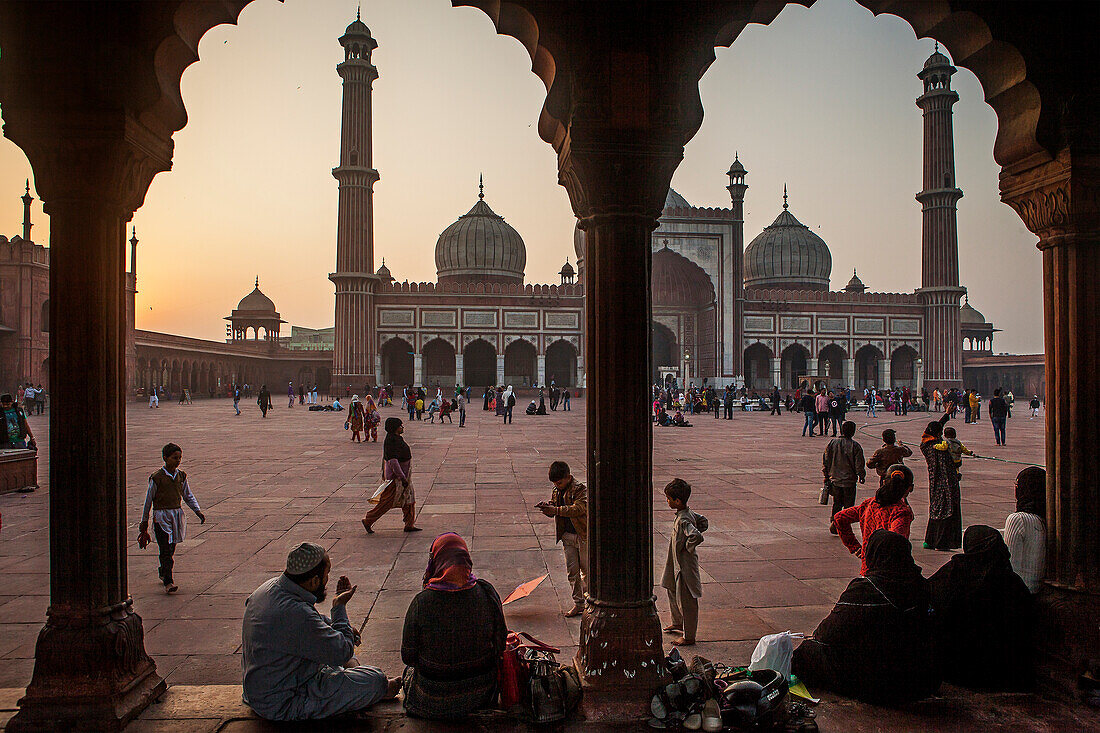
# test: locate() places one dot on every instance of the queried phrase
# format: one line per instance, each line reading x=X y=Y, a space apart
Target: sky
x=821 y=100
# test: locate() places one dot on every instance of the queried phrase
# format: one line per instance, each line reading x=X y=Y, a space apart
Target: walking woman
x=264 y=400
x=944 y=500
x=355 y=419
x=371 y=418
x=488 y=392
x=397 y=470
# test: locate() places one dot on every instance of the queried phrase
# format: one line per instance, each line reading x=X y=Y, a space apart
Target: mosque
x=723 y=313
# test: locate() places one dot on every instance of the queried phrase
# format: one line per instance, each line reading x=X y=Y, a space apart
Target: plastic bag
x=775 y=651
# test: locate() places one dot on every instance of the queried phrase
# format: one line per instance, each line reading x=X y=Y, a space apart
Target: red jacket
x=871 y=516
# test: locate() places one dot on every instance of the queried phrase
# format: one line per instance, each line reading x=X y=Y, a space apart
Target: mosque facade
x=723 y=312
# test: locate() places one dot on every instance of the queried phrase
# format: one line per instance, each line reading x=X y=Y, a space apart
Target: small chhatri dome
x=480 y=247
x=855 y=285
x=674 y=200
x=937 y=59
x=357 y=26
x=256 y=301
x=567 y=269
x=383 y=271
x=736 y=168
x=970 y=314
x=787 y=255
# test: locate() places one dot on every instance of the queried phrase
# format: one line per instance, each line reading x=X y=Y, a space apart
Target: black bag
x=553 y=691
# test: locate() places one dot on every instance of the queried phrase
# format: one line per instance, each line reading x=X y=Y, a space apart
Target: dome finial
x=28 y=192
x=784 y=197
x=357 y=9
x=257 y=282
x=480 y=187
x=937 y=48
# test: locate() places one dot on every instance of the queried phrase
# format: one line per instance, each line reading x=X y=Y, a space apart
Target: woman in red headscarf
x=453 y=637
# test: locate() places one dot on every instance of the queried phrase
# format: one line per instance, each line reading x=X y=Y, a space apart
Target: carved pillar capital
x=1058 y=199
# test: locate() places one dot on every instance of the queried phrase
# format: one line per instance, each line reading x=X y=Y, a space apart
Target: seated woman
x=663 y=419
x=1025 y=529
x=887 y=509
x=679 y=420
x=876 y=645
x=531 y=408
x=453 y=638
x=984 y=616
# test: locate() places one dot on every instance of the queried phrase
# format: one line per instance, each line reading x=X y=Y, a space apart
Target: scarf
x=1031 y=491
x=394 y=446
x=891 y=569
x=449 y=565
x=985 y=556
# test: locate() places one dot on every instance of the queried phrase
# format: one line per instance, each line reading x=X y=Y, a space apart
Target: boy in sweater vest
x=168 y=490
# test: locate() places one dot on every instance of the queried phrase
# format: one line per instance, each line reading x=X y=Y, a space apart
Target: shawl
x=1031 y=491
x=891 y=569
x=449 y=565
x=394 y=446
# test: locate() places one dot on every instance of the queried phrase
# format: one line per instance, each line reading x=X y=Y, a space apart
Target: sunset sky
x=822 y=100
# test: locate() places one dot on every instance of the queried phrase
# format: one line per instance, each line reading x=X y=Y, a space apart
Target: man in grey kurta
x=295 y=659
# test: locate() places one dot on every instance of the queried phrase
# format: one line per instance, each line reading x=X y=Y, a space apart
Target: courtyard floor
x=769 y=562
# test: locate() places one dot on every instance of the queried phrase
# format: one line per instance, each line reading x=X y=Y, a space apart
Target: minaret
x=27 y=199
x=736 y=278
x=131 y=297
x=940 y=292
x=355 y=281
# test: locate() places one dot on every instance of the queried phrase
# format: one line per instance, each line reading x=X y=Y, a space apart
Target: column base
x=91 y=673
x=620 y=659
x=1067 y=643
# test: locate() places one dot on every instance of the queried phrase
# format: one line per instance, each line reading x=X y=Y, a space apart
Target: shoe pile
x=713 y=697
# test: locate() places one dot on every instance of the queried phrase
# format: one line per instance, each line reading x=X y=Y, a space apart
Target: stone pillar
x=850 y=372
x=542 y=369
x=500 y=369
x=460 y=372
x=1058 y=201
x=91 y=670
x=418 y=369
x=777 y=375
x=883 y=374
x=580 y=371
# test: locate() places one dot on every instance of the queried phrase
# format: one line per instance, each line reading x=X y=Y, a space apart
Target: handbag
x=376 y=497
x=533 y=683
x=826 y=492
x=512 y=672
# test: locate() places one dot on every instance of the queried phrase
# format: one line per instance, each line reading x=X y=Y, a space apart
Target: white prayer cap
x=303 y=558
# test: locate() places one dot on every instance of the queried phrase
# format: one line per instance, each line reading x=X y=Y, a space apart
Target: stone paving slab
x=769 y=562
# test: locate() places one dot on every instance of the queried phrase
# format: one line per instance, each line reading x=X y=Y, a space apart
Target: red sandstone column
x=1058 y=201
x=91 y=670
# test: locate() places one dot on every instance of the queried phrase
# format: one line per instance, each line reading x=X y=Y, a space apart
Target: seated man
x=294 y=658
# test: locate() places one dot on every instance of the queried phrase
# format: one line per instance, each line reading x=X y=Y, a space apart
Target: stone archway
x=903 y=367
x=561 y=364
x=479 y=363
x=868 y=359
x=438 y=359
x=521 y=363
x=664 y=351
x=793 y=363
x=832 y=363
x=397 y=362
x=758 y=367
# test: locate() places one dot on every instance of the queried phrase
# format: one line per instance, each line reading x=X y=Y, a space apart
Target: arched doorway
x=479 y=363
x=793 y=364
x=520 y=363
x=663 y=351
x=832 y=363
x=561 y=363
x=683 y=290
x=903 y=367
x=758 y=367
x=867 y=373
x=439 y=363
x=397 y=362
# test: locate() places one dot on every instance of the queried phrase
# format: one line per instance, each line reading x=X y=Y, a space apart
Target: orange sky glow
x=821 y=100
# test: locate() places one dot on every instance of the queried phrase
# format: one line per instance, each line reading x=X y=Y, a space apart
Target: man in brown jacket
x=569 y=507
x=843 y=464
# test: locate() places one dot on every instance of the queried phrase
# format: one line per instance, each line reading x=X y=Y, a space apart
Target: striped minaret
x=940 y=292
x=355 y=280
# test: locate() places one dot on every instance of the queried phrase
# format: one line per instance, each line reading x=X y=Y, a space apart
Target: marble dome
x=480 y=247
x=970 y=314
x=788 y=255
x=256 y=301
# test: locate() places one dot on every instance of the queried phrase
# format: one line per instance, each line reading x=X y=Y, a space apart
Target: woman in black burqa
x=876 y=645
x=984 y=616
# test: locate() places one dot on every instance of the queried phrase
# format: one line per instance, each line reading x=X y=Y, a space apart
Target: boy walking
x=569 y=507
x=681 y=577
x=168 y=490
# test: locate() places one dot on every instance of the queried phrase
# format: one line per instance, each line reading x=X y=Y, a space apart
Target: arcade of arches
x=95 y=147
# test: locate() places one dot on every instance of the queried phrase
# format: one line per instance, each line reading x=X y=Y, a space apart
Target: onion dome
x=480 y=247
x=674 y=200
x=970 y=314
x=937 y=59
x=787 y=255
x=567 y=269
x=736 y=168
x=256 y=302
x=384 y=272
x=855 y=285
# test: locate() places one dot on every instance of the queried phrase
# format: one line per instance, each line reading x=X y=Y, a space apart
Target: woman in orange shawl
x=370 y=418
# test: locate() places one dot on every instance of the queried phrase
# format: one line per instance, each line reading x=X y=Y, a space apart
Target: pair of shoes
x=413 y=529
x=366 y=526
x=574 y=611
